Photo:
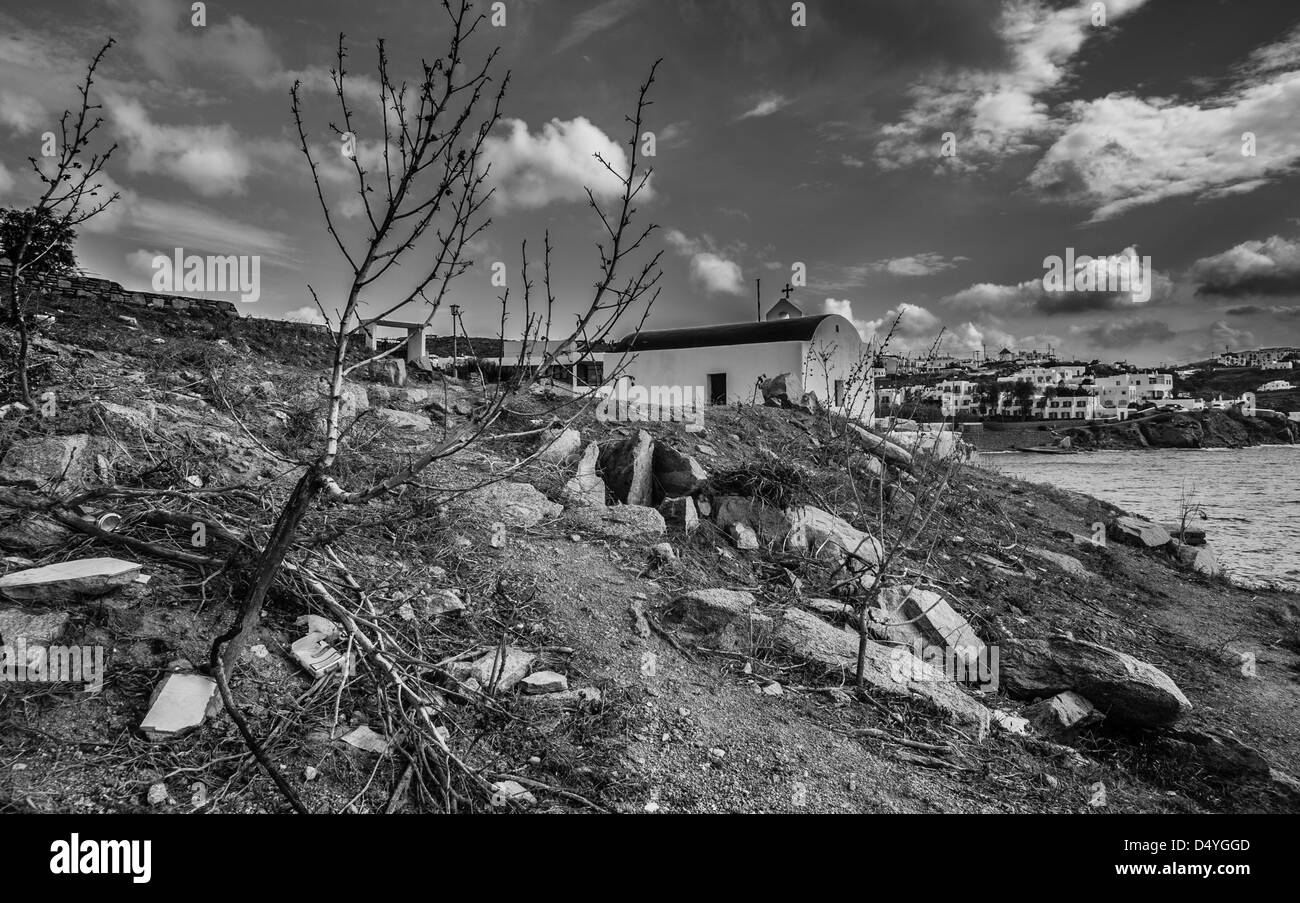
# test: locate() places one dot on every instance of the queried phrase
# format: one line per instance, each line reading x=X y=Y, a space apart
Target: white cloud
x=597 y=19
x=20 y=112
x=925 y=264
x=995 y=114
x=212 y=159
x=766 y=106
x=557 y=164
x=6 y=180
x=1122 y=152
x=709 y=269
x=1102 y=271
x=306 y=314
x=1268 y=267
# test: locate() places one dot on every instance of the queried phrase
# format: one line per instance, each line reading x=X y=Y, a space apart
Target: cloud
x=597 y=19
x=6 y=180
x=211 y=159
x=995 y=113
x=766 y=106
x=21 y=113
x=166 y=41
x=306 y=314
x=1291 y=312
x=709 y=269
x=1268 y=267
x=1033 y=296
x=1128 y=332
x=852 y=161
x=1122 y=151
x=925 y=264
x=557 y=164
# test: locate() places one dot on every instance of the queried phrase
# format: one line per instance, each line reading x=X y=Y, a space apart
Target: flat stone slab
x=67 y=579
x=1135 y=531
x=544 y=682
x=180 y=704
x=503 y=670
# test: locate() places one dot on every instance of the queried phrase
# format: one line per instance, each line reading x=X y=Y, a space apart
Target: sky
x=883 y=157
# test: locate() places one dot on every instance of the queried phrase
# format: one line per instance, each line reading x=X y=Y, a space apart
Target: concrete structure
x=575 y=365
x=1133 y=388
x=824 y=353
x=1041 y=377
x=957 y=396
x=415 y=337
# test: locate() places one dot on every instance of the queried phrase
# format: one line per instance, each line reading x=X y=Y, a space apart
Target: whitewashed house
x=824 y=354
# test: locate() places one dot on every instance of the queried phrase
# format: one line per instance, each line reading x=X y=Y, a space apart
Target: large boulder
x=936 y=620
x=1062 y=716
x=586 y=488
x=821 y=532
x=1125 y=689
x=676 y=474
x=1199 y=558
x=896 y=672
x=1135 y=531
x=560 y=446
x=47 y=461
x=628 y=522
x=628 y=468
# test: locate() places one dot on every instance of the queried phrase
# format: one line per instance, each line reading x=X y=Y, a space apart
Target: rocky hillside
x=577 y=615
x=1192 y=429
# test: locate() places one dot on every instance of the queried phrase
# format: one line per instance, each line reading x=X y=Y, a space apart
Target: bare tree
x=36 y=237
x=423 y=199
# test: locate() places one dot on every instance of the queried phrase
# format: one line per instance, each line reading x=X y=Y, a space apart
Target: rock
x=936 y=620
x=628 y=468
x=830 y=608
x=505 y=793
x=158 y=795
x=560 y=446
x=366 y=740
x=1067 y=563
x=48 y=461
x=896 y=672
x=519 y=504
x=180 y=704
x=771 y=524
x=404 y=420
x=586 y=488
x=1190 y=535
x=746 y=539
x=663 y=552
x=122 y=418
x=782 y=391
x=628 y=522
x=544 y=682
x=681 y=513
x=502 y=670
x=317 y=624
x=390 y=371
x=441 y=602
x=1135 y=531
x=69 y=579
x=1125 y=689
x=35 y=534
x=727 y=619
x=772 y=689
x=42 y=628
x=675 y=473
x=819 y=531
x=1063 y=716
x=1224 y=754
x=1199 y=558
x=892 y=453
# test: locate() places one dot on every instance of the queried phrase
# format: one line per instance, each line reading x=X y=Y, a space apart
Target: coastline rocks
x=1127 y=690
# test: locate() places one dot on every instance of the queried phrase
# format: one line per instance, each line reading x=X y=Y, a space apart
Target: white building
x=823 y=353
x=1133 y=388
x=957 y=396
x=1042 y=377
x=1277 y=385
x=1072 y=407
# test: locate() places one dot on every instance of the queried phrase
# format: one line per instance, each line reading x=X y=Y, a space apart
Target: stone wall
x=105 y=290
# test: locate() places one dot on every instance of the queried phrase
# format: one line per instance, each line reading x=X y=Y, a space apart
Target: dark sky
x=776 y=145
